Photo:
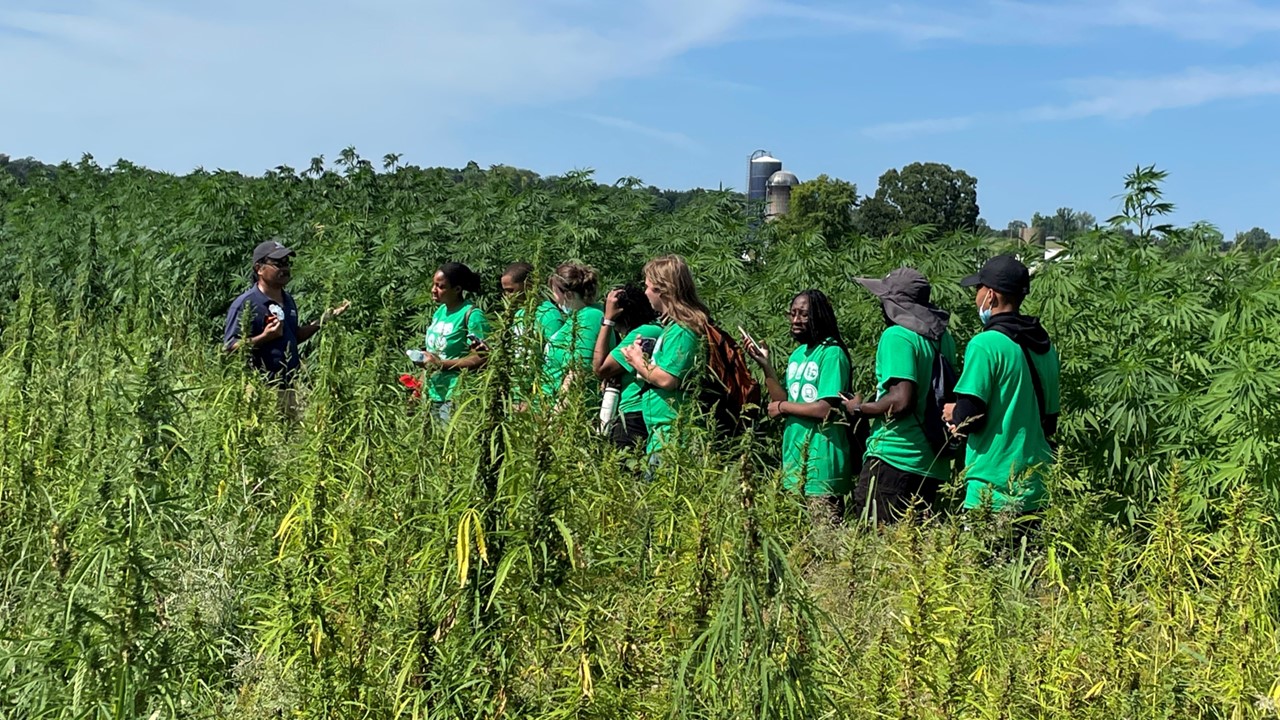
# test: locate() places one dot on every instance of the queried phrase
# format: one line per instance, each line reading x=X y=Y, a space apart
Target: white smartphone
x=748 y=337
x=416 y=355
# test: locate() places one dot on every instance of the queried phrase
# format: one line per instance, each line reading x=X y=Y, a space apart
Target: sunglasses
x=282 y=263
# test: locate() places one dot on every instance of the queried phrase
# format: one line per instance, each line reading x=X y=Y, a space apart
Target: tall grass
x=174 y=545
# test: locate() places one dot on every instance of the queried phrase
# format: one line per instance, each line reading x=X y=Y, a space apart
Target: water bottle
x=608 y=407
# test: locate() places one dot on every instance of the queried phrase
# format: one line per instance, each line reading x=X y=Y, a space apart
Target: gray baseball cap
x=272 y=249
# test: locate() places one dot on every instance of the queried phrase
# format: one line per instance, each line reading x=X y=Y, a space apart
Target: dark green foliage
x=921 y=194
x=1255 y=239
x=172 y=546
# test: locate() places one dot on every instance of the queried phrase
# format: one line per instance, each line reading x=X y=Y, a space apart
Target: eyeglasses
x=281 y=263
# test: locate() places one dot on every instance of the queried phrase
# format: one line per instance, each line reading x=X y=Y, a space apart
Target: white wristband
x=608 y=323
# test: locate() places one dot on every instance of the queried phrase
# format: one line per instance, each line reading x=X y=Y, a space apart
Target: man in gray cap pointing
x=902 y=463
x=271 y=325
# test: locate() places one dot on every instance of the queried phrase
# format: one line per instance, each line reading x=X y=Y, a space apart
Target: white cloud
x=915 y=128
x=676 y=139
x=1114 y=98
x=1041 y=22
x=1122 y=98
x=323 y=73
x=906 y=23
x=1202 y=20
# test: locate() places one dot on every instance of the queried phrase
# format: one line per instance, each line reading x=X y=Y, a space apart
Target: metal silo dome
x=783 y=178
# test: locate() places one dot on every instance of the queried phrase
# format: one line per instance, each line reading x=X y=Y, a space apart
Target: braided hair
x=822 y=319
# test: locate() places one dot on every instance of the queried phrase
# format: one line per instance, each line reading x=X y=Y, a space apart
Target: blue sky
x=1048 y=104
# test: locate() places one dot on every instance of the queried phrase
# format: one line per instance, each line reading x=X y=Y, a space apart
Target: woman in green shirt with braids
x=815 y=443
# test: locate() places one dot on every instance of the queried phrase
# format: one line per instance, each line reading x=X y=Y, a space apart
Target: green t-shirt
x=1008 y=456
x=677 y=351
x=903 y=354
x=571 y=348
x=547 y=319
x=816 y=452
x=629 y=399
x=447 y=339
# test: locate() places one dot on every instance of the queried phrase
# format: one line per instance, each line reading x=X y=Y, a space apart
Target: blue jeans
x=655 y=459
x=441 y=412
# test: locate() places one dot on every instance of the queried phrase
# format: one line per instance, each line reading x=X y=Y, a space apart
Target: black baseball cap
x=1004 y=274
x=271 y=250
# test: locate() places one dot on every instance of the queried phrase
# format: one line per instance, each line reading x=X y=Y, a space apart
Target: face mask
x=984 y=314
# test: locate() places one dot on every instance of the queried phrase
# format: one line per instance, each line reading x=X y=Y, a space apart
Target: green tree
x=25 y=168
x=1014 y=229
x=824 y=205
x=1254 y=239
x=921 y=194
x=1063 y=224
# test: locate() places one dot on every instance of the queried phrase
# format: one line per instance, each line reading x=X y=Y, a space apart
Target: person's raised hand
x=611 y=307
x=759 y=352
x=273 y=330
x=334 y=312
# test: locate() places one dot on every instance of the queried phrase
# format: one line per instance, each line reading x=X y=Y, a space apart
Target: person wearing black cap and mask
x=271 y=328
x=1007 y=397
x=901 y=465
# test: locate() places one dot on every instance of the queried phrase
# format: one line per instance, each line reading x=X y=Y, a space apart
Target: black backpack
x=941 y=391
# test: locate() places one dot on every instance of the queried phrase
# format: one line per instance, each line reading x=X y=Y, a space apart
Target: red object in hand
x=412 y=383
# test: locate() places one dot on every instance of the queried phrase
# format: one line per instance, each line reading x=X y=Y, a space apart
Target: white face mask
x=984 y=313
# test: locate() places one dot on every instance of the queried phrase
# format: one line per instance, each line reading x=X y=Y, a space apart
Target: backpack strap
x=1035 y=382
x=937 y=353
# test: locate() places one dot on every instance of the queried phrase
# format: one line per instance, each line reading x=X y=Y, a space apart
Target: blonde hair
x=670 y=277
x=577 y=278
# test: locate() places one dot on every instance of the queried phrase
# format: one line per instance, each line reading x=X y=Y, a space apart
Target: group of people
x=637 y=356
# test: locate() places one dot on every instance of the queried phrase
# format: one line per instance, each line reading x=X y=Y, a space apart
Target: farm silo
x=778 y=193
x=760 y=168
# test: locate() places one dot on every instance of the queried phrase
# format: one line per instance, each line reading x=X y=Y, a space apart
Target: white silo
x=778 y=193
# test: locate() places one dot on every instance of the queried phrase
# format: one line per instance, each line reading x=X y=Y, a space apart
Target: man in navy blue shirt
x=266 y=317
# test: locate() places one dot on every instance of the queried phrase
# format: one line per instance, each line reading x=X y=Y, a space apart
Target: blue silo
x=760 y=168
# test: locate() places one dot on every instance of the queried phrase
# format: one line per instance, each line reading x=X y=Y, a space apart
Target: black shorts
x=884 y=493
x=629 y=431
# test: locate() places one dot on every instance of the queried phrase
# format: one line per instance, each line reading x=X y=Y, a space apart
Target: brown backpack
x=728 y=390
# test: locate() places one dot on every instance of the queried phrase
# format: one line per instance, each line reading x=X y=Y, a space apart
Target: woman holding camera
x=627 y=315
x=670 y=369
